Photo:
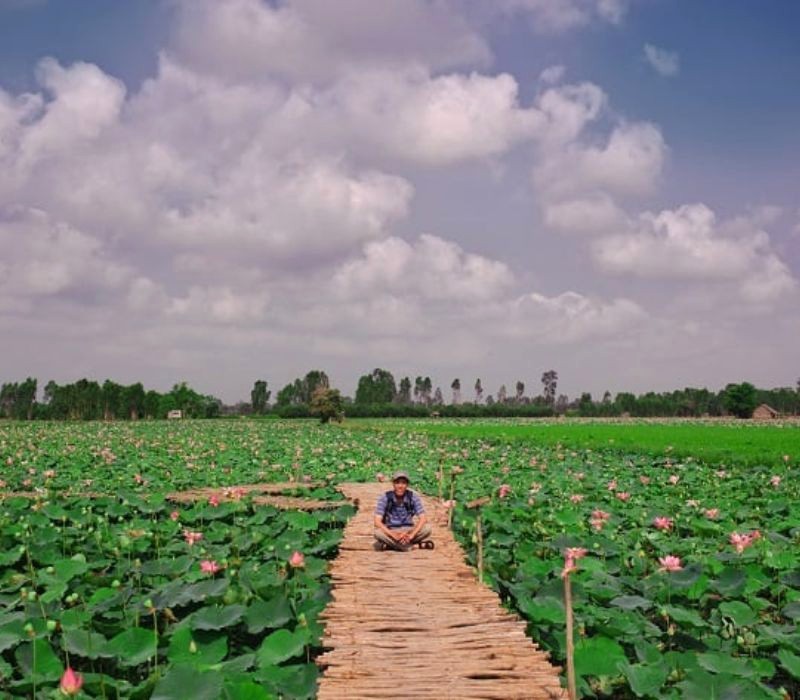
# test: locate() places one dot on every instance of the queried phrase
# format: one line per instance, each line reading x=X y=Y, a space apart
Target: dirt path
x=419 y=625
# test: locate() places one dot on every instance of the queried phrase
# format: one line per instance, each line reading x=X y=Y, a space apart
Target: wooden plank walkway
x=418 y=624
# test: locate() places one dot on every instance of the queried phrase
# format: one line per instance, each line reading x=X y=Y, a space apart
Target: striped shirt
x=400 y=515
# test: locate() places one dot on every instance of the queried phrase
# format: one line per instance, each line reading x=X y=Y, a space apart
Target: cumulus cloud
x=45 y=258
x=666 y=63
x=314 y=40
x=430 y=268
x=689 y=243
x=581 y=177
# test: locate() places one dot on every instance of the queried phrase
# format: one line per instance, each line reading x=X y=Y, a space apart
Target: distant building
x=175 y=414
x=764 y=412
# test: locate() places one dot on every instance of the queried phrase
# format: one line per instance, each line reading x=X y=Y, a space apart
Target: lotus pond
x=99 y=571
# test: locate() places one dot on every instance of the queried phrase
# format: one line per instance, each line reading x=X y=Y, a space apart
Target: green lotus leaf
x=268 y=614
x=133 y=646
x=280 y=646
x=182 y=682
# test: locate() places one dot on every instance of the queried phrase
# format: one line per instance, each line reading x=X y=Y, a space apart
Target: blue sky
x=274 y=182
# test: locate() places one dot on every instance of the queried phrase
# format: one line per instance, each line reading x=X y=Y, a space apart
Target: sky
x=217 y=191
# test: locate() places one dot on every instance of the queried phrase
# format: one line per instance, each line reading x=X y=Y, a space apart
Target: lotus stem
x=571 y=688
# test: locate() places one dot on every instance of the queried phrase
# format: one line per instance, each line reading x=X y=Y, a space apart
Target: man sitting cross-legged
x=400 y=520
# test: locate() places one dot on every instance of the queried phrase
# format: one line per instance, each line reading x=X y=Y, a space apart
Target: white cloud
x=411 y=116
x=666 y=63
x=688 y=243
x=314 y=40
x=552 y=74
x=561 y=15
x=431 y=268
x=46 y=258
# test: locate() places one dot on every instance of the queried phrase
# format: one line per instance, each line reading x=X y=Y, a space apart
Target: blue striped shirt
x=400 y=515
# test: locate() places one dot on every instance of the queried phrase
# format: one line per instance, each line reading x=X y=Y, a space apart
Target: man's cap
x=400 y=475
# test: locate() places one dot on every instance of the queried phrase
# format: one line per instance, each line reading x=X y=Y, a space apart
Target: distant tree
x=8 y=398
x=561 y=403
x=152 y=400
x=478 y=391
x=404 y=394
x=502 y=394
x=585 y=404
x=549 y=382
x=740 y=399
x=378 y=387
x=111 y=393
x=300 y=390
x=131 y=401
x=259 y=397
x=327 y=403
x=490 y=400
x=607 y=398
x=520 y=392
x=438 y=398
x=418 y=390
x=456 y=387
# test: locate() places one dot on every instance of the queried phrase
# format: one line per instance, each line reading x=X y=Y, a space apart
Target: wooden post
x=571 y=689
x=440 y=479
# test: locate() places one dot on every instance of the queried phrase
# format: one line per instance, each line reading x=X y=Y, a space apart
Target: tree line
x=378 y=394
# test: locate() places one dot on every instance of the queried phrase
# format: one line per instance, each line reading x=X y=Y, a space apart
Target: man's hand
x=405 y=538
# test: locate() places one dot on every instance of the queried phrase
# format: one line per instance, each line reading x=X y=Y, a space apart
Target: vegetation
x=378 y=395
x=689 y=590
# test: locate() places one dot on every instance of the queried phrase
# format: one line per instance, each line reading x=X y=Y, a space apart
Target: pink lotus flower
x=174 y=515
x=213 y=500
x=192 y=538
x=644 y=480
x=720 y=473
x=297 y=560
x=49 y=473
x=71 y=682
x=670 y=563
x=580 y=476
x=571 y=556
x=447 y=505
x=662 y=522
x=785 y=458
x=744 y=540
x=612 y=485
x=597 y=525
x=623 y=496
x=503 y=491
x=576 y=497
x=693 y=503
x=674 y=479
x=775 y=481
x=209 y=566
x=600 y=515
x=712 y=513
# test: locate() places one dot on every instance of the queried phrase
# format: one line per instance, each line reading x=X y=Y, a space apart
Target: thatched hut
x=765 y=412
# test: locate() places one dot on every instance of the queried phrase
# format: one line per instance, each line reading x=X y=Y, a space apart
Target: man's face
x=400 y=487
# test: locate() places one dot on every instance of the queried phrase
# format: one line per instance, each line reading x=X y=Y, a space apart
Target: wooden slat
x=418 y=624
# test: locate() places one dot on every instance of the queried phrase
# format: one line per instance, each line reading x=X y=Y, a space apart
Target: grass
x=712 y=442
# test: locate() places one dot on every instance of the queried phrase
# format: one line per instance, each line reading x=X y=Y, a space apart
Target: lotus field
x=690 y=587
